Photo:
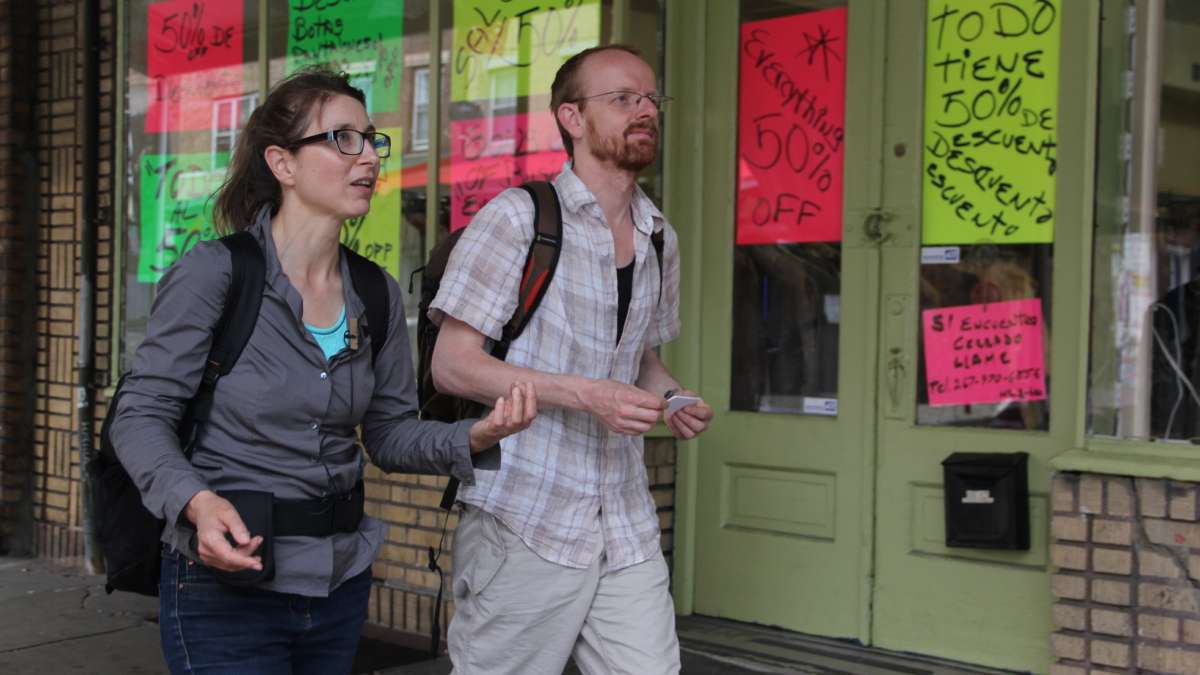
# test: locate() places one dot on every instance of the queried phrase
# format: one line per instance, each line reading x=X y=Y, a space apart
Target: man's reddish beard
x=625 y=154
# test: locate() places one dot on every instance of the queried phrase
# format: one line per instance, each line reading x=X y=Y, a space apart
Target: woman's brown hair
x=281 y=119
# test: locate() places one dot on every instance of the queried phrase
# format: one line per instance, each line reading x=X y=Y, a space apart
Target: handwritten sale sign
x=985 y=353
x=194 y=53
x=490 y=155
x=991 y=121
x=512 y=48
x=176 y=211
x=791 y=113
x=363 y=39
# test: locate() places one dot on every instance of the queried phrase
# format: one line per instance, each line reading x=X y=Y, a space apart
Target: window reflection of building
x=229 y=115
x=420 y=109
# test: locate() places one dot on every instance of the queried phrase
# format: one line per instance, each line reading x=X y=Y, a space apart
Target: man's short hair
x=568 y=86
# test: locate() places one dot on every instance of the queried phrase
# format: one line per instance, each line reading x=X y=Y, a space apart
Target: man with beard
x=557 y=553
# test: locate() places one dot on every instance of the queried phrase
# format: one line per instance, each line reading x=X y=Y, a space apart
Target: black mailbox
x=987 y=500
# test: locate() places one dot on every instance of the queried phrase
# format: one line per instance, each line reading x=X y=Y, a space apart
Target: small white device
x=677 y=402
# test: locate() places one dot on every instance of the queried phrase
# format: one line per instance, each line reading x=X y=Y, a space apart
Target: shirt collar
x=261 y=229
x=575 y=196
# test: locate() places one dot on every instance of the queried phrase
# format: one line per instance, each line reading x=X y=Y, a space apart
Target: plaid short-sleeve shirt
x=568 y=486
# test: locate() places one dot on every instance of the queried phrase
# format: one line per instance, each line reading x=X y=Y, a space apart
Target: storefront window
x=1145 y=364
x=788 y=230
x=988 y=213
x=192 y=81
x=496 y=120
x=194 y=78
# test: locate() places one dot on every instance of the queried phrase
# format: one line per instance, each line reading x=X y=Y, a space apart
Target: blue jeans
x=210 y=627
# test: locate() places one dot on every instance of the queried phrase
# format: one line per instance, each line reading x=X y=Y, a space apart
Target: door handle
x=895 y=375
x=873 y=228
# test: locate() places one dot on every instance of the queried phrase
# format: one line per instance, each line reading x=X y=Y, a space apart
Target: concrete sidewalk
x=55 y=620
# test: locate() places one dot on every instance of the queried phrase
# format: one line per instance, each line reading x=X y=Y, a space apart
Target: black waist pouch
x=256 y=509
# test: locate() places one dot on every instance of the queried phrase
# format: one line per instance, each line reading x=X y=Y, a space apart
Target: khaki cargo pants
x=517 y=614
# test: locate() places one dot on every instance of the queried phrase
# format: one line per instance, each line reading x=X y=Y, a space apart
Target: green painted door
x=833 y=524
x=984 y=606
x=784 y=485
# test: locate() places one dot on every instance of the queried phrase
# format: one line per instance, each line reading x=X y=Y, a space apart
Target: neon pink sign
x=194 y=53
x=791 y=117
x=985 y=353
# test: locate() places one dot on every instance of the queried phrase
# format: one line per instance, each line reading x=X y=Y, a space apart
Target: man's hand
x=213 y=517
x=509 y=416
x=622 y=408
x=690 y=422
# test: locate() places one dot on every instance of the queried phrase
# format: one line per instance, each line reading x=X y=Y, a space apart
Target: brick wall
x=39 y=462
x=405 y=588
x=1127 y=587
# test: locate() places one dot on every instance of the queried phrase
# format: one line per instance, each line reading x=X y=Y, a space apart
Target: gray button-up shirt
x=283 y=420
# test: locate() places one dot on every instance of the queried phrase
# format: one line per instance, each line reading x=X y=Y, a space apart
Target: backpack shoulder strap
x=542 y=259
x=371 y=285
x=242 y=301
x=657 y=240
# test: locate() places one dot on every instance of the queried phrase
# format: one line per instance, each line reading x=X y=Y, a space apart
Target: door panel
x=991 y=607
x=784 y=491
x=834 y=524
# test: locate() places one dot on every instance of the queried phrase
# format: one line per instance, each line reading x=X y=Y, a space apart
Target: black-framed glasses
x=626 y=101
x=351 y=141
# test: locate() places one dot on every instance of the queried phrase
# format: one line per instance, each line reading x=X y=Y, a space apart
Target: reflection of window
x=420 y=109
x=228 y=116
x=1145 y=343
x=502 y=102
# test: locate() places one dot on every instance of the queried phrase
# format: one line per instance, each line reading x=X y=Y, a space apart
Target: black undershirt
x=624 y=292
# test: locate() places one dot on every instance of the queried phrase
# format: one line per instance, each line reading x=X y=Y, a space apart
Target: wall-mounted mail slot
x=987 y=500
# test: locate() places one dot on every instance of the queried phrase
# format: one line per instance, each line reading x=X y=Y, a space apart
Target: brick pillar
x=19 y=204
x=1127 y=586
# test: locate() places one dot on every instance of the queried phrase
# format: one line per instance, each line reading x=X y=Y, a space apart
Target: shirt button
x=324 y=376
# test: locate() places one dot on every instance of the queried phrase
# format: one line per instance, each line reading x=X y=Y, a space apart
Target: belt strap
x=319 y=517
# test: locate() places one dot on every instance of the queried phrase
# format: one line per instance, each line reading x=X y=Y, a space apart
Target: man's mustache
x=642 y=126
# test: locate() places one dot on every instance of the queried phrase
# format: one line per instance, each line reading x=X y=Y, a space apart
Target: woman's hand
x=511 y=414
x=214 y=518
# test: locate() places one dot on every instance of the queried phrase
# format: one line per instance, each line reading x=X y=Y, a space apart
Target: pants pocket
x=478 y=553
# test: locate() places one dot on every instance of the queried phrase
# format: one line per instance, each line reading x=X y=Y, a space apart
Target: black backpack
x=540 y=265
x=128 y=534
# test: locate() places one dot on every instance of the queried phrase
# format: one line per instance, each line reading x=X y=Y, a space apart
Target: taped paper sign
x=504 y=49
x=194 y=54
x=176 y=212
x=991 y=121
x=363 y=39
x=985 y=353
x=791 y=115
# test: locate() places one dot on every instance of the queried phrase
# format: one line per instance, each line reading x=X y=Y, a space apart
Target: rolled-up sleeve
x=479 y=287
x=167 y=370
x=395 y=438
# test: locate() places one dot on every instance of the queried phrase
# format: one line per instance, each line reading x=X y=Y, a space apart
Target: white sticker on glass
x=940 y=255
x=820 y=406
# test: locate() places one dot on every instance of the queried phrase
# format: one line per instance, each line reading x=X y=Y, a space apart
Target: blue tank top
x=332 y=339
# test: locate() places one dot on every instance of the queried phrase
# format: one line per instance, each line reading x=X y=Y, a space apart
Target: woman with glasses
x=284 y=421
